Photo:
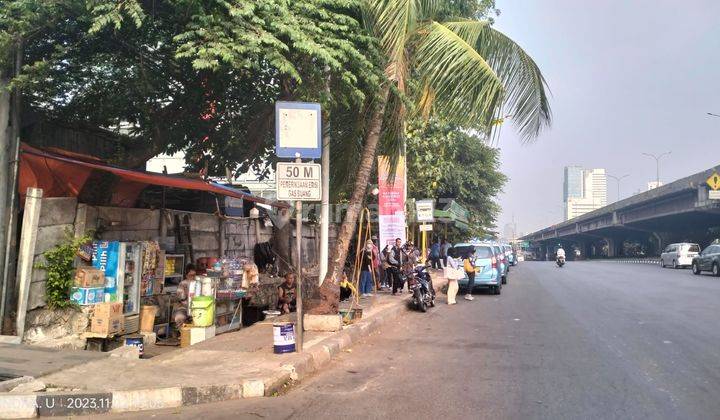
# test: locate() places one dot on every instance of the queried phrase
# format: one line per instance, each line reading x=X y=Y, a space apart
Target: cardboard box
x=89 y=277
x=87 y=295
x=190 y=335
x=107 y=326
x=108 y=310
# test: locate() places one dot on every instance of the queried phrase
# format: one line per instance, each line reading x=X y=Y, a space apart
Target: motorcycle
x=420 y=284
x=560 y=261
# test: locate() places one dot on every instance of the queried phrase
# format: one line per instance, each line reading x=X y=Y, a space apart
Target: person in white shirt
x=453 y=275
x=560 y=253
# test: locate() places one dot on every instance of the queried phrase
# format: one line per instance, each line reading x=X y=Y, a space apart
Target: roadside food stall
x=130 y=287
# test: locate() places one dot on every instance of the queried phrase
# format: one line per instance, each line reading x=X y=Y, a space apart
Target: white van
x=679 y=255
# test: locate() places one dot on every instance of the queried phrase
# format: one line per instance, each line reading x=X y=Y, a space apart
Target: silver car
x=679 y=254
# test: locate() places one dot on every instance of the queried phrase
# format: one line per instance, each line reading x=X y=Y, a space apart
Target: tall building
x=573 y=182
x=584 y=190
x=596 y=186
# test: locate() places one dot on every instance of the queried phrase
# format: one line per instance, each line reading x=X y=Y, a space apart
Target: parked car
x=486 y=259
x=707 y=260
x=503 y=264
x=679 y=255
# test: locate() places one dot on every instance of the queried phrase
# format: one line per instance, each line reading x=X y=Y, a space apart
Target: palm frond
x=466 y=89
x=526 y=91
x=394 y=22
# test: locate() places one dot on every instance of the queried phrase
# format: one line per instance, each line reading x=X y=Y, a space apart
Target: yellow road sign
x=714 y=181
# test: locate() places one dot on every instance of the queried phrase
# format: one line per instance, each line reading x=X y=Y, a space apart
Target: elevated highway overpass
x=639 y=225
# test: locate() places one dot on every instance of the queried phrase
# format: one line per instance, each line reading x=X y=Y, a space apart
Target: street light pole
x=657 y=165
x=617 y=179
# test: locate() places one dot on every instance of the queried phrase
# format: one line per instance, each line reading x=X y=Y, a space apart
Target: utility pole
x=298 y=265
x=617 y=179
x=325 y=184
x=325 y=204
x=657 y=165
x=9 y=152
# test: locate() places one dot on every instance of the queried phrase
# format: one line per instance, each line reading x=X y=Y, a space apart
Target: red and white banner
x=391 y=202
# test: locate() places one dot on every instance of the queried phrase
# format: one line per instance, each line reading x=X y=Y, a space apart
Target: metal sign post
x=298 y=133
x=298 y=243
x=425 y=211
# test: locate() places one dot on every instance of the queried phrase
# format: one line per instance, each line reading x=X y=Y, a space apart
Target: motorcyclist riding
x=560 y=253
x=560 y=256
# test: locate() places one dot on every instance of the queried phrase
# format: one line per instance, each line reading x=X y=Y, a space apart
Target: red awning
x=64 y=176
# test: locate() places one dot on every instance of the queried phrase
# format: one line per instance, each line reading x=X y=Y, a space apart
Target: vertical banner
x=391 y=202
x=107 y=258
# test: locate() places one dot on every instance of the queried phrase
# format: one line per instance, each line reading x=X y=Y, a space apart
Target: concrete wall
x=57 y=219
x=240 y=236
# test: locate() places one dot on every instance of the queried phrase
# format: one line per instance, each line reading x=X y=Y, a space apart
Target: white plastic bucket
x=284 y=337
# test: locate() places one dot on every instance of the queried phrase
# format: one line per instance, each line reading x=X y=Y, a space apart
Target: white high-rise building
x=593 y=192
x=596 y=186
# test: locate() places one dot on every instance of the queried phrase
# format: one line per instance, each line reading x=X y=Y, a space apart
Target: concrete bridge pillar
x=613 y=247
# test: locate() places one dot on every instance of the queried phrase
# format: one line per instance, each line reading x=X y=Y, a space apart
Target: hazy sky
x=626 y=77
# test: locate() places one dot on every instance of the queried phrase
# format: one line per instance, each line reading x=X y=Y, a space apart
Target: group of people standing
x=385 y=267
x=390 y=265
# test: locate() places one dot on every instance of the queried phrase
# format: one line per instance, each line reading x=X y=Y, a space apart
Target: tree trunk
x=339 y=253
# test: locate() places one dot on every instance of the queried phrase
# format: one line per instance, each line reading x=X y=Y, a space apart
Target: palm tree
x=462 y=70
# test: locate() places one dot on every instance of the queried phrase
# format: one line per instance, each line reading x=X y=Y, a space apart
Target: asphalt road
x=591 y=340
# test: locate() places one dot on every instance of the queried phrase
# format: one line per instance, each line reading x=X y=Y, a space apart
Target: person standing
x=366 y=269
x=453 y=274
x=396 y=259
x=378 y=272
x=386 y=267
x=445 y=247
x=435 y=255
x=470 y=270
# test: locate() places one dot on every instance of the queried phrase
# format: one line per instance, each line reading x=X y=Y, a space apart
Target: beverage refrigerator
x=122 y=264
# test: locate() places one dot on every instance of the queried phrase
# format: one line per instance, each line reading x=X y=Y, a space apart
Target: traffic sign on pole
x=298 y=181
x=425 y=210
x=298 y=130
x=714 y=181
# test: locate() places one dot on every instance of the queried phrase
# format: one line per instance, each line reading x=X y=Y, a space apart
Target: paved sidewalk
x=233 y=365
x=22 y=360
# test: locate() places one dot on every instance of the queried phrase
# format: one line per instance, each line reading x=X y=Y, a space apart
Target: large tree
x=446 y=162
x=194 y=75
x=459 y=69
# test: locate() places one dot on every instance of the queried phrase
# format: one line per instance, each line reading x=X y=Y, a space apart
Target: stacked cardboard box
x=108 y=318
x=89 y=287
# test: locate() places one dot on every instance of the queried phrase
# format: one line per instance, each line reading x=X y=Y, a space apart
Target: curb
x=652 y=261
x=92 y=403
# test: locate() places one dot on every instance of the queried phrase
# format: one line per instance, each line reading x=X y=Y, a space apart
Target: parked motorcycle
x=421 y=285
x=560 y=261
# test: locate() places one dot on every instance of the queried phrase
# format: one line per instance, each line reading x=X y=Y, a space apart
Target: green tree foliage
x=447 y=161
x=60 y=268
x=199 y=75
